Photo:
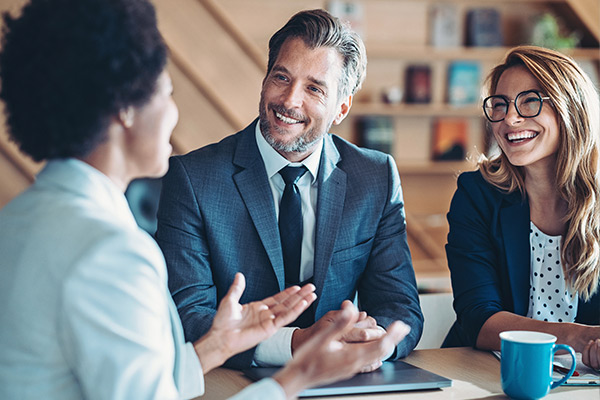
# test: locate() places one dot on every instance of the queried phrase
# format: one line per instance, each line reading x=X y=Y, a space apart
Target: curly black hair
x=68 y=66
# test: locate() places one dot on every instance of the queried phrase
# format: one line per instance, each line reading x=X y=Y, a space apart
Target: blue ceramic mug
x=526 y=364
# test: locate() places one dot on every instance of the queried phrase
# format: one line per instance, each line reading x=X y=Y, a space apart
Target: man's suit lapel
x=253 y=185
x=330 y=205
x=514 y=220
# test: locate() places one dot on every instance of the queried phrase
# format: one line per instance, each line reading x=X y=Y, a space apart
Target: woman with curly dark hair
x=85 y=311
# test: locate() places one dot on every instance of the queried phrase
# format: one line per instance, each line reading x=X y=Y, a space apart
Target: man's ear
x=343 y=110
x=126 y=116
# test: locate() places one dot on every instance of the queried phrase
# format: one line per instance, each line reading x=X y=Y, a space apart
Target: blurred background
x=420 y=101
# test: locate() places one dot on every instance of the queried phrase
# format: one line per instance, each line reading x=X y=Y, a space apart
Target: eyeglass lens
x=528 y=104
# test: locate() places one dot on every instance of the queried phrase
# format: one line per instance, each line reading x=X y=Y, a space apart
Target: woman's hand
x=239 y=327
x=591 y=354
x=327 y=357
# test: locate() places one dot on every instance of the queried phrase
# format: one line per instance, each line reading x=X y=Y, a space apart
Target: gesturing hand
x=326 y=357
x=239 y=327
x=363 y=330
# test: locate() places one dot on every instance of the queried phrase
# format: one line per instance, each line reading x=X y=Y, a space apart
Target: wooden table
x=475 y=375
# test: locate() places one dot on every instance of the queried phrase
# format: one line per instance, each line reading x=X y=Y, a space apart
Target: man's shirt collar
x=274 y=161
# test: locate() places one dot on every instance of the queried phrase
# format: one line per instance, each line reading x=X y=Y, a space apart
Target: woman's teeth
x=516 y=136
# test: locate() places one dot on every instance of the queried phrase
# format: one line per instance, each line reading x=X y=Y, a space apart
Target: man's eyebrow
x=280 y=68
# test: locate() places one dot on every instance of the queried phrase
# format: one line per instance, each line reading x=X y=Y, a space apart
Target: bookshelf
x=397 y=34
x=393 y=50
x=428 y=185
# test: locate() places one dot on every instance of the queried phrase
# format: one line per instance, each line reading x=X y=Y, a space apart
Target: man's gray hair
x=318 y=28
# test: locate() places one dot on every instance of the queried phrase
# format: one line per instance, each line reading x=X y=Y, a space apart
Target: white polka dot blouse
x=549 y=296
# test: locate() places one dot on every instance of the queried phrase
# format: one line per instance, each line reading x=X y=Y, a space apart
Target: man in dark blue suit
x=338 y=222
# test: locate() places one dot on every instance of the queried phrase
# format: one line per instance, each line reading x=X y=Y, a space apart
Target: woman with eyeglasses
x=524 y=241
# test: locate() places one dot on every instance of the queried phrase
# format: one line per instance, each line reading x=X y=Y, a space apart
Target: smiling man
x=284 y=202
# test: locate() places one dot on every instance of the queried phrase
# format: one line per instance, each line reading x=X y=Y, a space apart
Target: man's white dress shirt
x=84 y=307
x=277 y=350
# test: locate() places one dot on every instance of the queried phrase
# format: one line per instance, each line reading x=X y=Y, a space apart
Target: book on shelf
x=418 y=84
x=464 y=86
x=444 y=26
x=449 y=140
x=376 y=132
x=484 y=27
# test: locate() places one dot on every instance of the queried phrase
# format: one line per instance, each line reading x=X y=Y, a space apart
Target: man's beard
x=300 y=144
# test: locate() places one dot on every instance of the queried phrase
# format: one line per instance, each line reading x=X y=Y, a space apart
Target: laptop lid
x=391 y=377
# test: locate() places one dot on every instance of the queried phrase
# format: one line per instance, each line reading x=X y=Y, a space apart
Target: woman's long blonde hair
x=575 y=100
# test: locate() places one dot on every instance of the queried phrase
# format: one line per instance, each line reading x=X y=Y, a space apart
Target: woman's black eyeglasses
x=528 y=105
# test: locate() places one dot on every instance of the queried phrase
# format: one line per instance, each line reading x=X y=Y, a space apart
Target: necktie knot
x=291 y=175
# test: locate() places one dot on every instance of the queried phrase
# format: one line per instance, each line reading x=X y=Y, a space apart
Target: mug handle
x=568 y=348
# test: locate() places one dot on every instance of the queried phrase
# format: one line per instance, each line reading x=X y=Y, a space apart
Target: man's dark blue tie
x=290 y=223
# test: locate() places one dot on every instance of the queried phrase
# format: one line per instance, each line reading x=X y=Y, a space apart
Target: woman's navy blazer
x=488 y=254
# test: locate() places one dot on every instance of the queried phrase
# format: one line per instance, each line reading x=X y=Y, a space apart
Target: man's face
x=299 y=98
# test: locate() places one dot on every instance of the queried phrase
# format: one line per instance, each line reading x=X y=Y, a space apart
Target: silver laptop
x=391 y=377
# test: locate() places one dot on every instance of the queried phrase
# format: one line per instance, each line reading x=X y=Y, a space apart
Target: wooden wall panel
x=196 y=37
x=395 y=23
x=589 y=12
x=12 y=6
x=200 y=122
x=259 y=19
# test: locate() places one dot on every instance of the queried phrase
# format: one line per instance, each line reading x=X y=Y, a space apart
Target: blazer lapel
x=514 y=221
x=253 y=184
x=330 y=204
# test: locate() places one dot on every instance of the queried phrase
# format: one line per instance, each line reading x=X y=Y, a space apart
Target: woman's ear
x=126 y=116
